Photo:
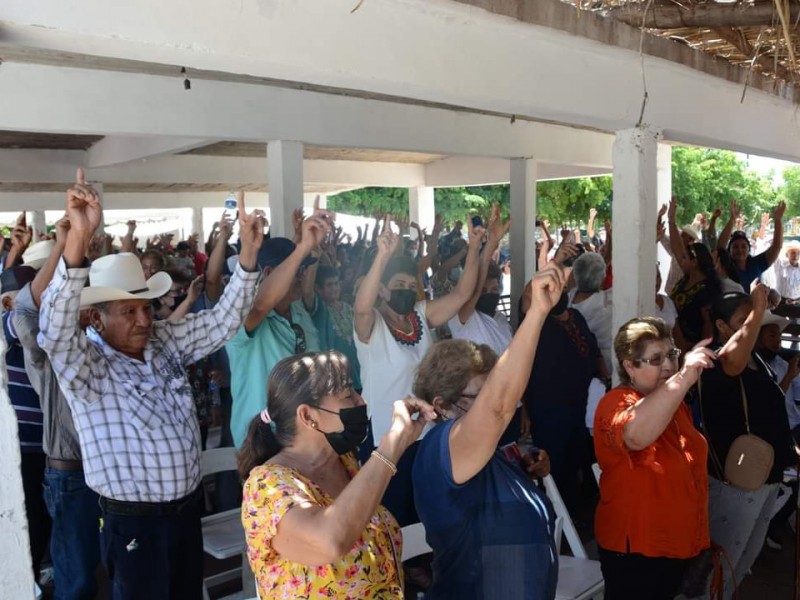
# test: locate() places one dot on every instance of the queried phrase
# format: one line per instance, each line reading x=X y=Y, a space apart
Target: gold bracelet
x=386 y=461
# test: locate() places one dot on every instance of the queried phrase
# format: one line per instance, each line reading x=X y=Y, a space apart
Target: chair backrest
x=573 y=539
x=217 y=461
x=557 y=534
x=414 y=543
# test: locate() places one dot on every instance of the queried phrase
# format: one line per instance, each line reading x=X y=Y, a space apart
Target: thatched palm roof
x=761 y=35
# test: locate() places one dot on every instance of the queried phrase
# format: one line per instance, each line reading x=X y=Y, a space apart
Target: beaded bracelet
x=386 y=461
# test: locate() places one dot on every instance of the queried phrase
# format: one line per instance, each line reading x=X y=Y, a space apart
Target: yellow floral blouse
x=369 y=570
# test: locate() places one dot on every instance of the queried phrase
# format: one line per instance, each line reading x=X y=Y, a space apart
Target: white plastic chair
x=579 y=577
x=597 y=472
x=414 y=543
x=223 y=534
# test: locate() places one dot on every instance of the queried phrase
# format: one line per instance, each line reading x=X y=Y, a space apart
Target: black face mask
x=560 y=306
x=487 y=303
x=403 y=301
x=356 y=426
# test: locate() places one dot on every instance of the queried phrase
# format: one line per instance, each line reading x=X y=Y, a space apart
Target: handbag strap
x=744 y=405
x=711 y=450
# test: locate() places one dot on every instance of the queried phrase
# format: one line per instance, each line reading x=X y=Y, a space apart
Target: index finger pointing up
x=240 y=204
x=80 y=176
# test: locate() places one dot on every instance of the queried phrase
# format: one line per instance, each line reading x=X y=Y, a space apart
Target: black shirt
x=723 y=413
x=566 y=360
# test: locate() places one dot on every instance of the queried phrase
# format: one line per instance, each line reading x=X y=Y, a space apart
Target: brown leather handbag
x=750 y=458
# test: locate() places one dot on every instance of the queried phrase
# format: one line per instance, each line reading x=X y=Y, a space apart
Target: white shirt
x=780 y=366
x=483 y=329
x=388 y=368
x=669 y=313
x=787 y=279
x=597 y=309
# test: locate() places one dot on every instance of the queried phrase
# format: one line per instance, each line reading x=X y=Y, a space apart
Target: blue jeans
x=74 y=540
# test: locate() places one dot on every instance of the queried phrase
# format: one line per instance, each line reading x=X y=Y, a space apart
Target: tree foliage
x=702 y=180
x=705 y=179
x=790 y=191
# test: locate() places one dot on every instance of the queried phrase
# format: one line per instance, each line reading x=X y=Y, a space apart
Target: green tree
x=789 y=192
x=704 y=179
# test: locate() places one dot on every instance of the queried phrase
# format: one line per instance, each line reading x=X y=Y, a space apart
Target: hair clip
x=265 y=418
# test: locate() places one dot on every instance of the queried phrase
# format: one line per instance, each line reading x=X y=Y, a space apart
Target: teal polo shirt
x=252 y=357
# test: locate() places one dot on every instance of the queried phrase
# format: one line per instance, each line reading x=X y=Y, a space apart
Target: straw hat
x=772 y=319
x=37 y=254
x=120 y=277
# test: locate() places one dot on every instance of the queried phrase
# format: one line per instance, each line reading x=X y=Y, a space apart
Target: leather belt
x=64 y=465
x=153 y=509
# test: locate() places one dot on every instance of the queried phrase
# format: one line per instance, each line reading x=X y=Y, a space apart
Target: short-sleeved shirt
x=492 y=536
x=371 y=569
x=483 y=329
x=754 y=267
x=253 y=355
x=780 y=367
x=388 y=366
x=723 y=413
x=653 y=501
x=597 y=309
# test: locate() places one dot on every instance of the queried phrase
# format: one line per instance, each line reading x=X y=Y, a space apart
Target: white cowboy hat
x=791 y=245
x=691 y=232
x=120 y=277
x=772 y=319
x=37 y=254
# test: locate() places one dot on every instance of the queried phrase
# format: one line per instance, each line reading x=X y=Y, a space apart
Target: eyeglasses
x=658 y=360
x=300 y=339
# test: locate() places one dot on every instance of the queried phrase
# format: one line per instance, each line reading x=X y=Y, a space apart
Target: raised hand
x=496 y=228
x=672 y=209
x=83 y=207
x=475 y=235
x=297 y=222
x=565 y=251
x=764 y=219
x=697 y=360
x=734 y=210
x=759 y=294
x=388 y=240
x=195 y=289
x=404 y=426
x=251 y=234
x=592 y=213
x=21 y=237
x=225 y=226
x=777 y=213
x=315 y=228
x=546 y=287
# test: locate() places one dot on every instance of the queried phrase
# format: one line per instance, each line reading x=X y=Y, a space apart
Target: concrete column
x=664 y=183
x=421 y=208
x=285 y=176
x=37 y=221
x=197 y=223
x=16 y=575
x=634 y=223
x=523 y=228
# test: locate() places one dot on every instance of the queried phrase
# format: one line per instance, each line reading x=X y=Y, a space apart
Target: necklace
x=411 y=338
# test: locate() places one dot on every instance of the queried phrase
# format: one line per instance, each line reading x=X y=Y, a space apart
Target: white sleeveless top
x=388 y=368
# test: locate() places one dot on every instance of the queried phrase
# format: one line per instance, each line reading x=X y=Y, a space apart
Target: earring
x=314 y=424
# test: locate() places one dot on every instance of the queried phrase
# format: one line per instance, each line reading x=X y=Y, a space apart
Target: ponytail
x=259 y=446
x=295 y=380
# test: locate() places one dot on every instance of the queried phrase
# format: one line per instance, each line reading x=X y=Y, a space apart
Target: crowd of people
x=373 y=383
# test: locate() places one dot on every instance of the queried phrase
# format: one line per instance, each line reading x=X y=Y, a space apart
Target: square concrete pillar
x=421 y=208
x=523 y=228
x=285 y=177
x=635 y=159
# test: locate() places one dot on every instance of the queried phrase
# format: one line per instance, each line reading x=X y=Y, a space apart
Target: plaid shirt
x=136 y=420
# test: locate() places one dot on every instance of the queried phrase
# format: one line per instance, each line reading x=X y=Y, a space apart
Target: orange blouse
x=652 y=501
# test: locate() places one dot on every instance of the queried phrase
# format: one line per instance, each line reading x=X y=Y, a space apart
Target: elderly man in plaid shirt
x=132 y=403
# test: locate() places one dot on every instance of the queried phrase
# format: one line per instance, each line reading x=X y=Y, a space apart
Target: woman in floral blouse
x=312 y=520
